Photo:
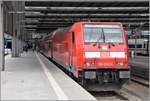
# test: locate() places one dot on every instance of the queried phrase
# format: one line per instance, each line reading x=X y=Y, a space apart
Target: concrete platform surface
x=33 y=77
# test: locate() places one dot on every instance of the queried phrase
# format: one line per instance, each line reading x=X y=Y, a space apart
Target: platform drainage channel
x=108 y=95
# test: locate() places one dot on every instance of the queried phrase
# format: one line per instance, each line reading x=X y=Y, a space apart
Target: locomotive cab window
x=73 y=37
x=102 y=33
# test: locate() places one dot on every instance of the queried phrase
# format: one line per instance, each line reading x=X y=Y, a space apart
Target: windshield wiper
x=101 y=37
x=97 y=41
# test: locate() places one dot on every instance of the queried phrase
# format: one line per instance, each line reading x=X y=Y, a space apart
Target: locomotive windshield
x=102 y=33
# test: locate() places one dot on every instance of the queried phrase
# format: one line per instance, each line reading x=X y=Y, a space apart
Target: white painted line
x=59 y=92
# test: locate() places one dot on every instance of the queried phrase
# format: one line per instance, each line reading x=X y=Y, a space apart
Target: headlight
x=117 y=54
x=119 y=63
x=92 y=54
x=88 y=64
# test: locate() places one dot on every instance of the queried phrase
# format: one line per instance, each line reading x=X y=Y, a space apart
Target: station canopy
x=46 y=16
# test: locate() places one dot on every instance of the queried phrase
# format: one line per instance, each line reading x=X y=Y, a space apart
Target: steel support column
x=19 y=27
x=22 y=5
x=15 y=38
x=2 y=63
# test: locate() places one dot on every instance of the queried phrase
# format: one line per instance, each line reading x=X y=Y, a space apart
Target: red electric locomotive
x=91 y=50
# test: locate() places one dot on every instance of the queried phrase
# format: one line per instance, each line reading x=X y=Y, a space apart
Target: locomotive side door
x=50 y=49
x=71 y=44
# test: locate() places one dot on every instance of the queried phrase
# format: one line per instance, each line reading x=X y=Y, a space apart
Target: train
x=95 y=51
x=139 y=45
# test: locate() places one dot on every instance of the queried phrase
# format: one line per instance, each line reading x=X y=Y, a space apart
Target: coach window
x=73 y=37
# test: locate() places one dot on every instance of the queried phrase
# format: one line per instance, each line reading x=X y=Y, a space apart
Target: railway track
x=141 y=81
x=108 y=95
x=129 y=92
x=121 y=95
x=141 y=73
x=137 y=90
x=140 y=70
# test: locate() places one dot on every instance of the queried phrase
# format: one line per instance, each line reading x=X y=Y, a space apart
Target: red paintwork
x=66 y=53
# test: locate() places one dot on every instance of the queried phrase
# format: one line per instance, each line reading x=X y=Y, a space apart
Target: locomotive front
x=105 y=53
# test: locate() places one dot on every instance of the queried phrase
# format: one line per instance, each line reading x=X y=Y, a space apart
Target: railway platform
x=33 y=77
